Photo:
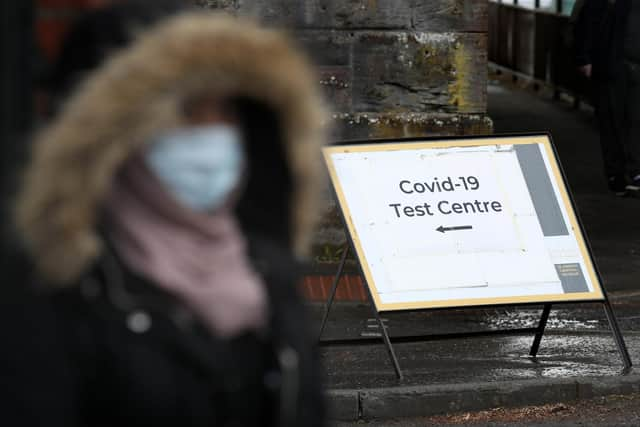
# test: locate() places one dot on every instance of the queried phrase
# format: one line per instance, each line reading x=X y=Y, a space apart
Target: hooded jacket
x=139 y=93
x=173 y=373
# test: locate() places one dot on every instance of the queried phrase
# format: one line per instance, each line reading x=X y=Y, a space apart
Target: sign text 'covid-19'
x=448 y=185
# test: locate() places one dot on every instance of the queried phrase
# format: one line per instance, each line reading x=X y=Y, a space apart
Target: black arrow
x=442 y=229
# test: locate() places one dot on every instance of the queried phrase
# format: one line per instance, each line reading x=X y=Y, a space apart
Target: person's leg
x=610 y=112
x=632 y=125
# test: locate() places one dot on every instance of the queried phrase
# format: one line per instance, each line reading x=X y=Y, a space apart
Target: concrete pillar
x=390 y=68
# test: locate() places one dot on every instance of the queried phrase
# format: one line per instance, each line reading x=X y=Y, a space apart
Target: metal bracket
x=383 y=329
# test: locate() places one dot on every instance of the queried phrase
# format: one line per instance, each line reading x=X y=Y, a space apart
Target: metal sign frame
x=352 y=246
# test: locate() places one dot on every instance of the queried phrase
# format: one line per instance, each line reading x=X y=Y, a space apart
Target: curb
x=418 y=401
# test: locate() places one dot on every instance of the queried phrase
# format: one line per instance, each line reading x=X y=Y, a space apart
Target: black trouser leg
x=610 y=110
x=632 y=119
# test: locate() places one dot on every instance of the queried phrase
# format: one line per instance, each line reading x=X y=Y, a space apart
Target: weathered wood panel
x=524 y=41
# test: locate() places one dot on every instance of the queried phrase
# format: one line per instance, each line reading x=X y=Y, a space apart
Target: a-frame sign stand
x=388 y=340
x=537 y=331
x=385 y=336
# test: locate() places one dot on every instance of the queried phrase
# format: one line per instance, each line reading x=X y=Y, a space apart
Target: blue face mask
x=200 y=166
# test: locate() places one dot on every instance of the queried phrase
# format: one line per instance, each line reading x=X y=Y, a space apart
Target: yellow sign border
x=596 y=295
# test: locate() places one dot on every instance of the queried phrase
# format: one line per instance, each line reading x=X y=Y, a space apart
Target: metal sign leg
x=617 y=335
x=385 y=337
x=540 y=330
x=383 y=330
x=334 y=287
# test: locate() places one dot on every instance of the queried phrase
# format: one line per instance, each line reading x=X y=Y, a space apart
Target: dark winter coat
x=108 y=348
x=120 y=351
x=600 y=36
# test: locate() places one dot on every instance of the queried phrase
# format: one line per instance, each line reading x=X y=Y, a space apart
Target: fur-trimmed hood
x=138 y=93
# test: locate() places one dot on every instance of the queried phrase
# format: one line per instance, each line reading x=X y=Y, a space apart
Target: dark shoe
x=634 y=186
x=618 y=185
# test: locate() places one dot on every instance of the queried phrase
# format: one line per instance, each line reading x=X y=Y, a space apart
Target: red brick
x=312 y=284
x=49 y=35
x=323 y=288
x=318 y=287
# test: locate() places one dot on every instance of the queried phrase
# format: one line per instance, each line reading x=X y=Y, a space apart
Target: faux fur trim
x=138 y=93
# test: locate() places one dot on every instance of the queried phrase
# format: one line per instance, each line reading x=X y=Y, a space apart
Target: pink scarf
x=200 y=258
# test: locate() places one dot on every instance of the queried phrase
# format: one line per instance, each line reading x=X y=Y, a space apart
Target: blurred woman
x=161 y=213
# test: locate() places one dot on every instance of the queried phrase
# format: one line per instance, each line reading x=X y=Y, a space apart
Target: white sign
x=462 y=222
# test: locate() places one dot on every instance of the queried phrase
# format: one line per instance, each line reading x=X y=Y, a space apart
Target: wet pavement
x=577 y=343
x=578 y=359
x=478 y=360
